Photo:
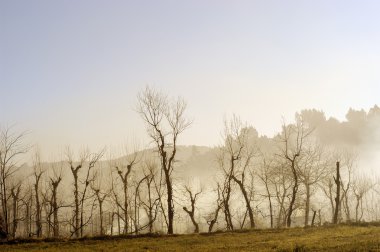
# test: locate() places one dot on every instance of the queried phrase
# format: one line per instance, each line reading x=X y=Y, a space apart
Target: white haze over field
x=70 y=71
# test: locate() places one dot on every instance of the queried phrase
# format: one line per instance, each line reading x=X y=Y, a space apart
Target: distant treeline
x=306 y=175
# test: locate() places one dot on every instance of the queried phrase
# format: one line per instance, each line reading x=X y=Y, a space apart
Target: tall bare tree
x=37 y=174
x=166 y=120
x=124 y=172
x=11 y=147
x=236 y=160
x=55 y=181
x=282 y=184
x=266 y=176
x=326 y=184
x=15 y=191
x=312 y=169
x=293 y=139
x=81 y=183
x=27 y=201
x=100 y=197
x=347 y=164
x=337 y=180
x=51 y=200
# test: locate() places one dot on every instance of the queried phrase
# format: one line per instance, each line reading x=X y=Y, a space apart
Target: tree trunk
x=55 y=213
x=55 y=207
x=26 y=220
x=270 y=204
x=227 y=213
x=281 y=218
x=191 y=214
x=170 y=202
x=76 y=213
x=331 y=198
x=55 y=221
x=247 y=201
x=118 y=221
x=348 y=213
x=214 y=220
x=15 y=213
x=3 y=233
x=313 y=219
x=126 y=221
x=357 y=208
x=150 y=210
x=4 y=203
x=294 y=195
x=38 y=211
x=307 y=205
x=101 y=217
x=337 y=198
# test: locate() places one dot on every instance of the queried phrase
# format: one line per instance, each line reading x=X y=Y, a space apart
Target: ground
x=341 y=238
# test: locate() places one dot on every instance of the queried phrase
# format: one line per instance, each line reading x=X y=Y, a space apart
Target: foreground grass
x=341 y=238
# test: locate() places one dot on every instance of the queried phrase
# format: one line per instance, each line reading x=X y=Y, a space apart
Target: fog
x=179 y=117
x=354 y=142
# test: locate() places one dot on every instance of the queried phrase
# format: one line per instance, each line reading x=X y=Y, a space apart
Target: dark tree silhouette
x=166 y=121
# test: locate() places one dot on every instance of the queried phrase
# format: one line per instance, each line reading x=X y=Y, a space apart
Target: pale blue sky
x=70 y=70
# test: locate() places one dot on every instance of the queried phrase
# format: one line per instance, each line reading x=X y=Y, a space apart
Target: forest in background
x=315 y=170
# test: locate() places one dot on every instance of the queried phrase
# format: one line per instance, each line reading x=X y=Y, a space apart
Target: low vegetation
x=327 y=238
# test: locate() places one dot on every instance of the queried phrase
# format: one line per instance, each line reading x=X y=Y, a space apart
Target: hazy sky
x=70 y=70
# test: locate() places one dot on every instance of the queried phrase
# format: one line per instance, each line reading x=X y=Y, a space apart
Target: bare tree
x=86 y=163
x=166 y=121
x=51 y=201
x=361 y=186
x=117 y=203
x=37 y=174
x=348 y=162
x=337 y=180
x=15 y=191
x=152 y=202
x=266 y=177
x=191 y=212
x=235 y=160
x=100 y=197
x=239 y=177
x=327 y=185
x=312 y=169
x=27 y=201
x=293 y=138
x=226 y=195
x=282 y=182
x=55 y=181
x=212 y=220
x=137 y=204
x=11 y=147
x=123 y=172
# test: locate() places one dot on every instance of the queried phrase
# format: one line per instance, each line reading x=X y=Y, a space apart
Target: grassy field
x=341 y=238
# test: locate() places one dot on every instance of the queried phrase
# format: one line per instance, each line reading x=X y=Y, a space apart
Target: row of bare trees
x=290 y=179
x=165 y=120
x=291 y=175
x=49 y=198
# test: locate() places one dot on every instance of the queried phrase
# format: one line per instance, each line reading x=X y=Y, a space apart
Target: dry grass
x=341 y=238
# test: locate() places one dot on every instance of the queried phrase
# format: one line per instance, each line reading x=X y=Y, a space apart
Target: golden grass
x=341 y=238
